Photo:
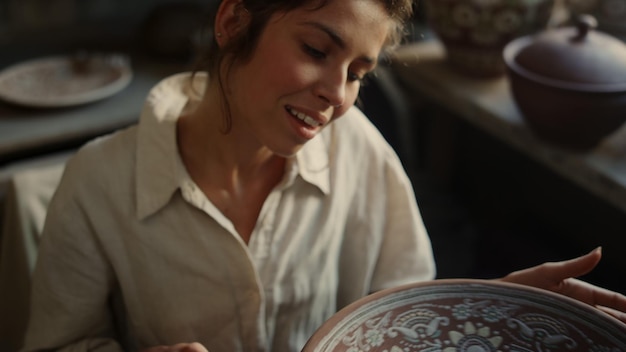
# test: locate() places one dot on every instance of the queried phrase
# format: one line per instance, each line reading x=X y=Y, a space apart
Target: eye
x=314 y=53
x=353 y=77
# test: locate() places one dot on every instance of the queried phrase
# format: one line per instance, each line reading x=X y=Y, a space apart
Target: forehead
x=350 y=19
x=347 y=10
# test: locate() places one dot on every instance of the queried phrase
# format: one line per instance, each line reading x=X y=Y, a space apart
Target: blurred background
x=28 y=26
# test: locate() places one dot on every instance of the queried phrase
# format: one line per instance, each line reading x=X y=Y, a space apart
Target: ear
x=231 y=17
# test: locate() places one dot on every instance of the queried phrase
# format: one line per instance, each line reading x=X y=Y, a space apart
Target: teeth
x=306 y=118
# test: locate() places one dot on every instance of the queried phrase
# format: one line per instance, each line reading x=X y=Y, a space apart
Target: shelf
x=488 y=104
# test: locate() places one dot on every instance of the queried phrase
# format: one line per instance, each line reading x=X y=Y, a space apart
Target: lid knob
x=584 y=23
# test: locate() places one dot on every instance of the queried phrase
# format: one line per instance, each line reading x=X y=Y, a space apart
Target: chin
x=287 y=152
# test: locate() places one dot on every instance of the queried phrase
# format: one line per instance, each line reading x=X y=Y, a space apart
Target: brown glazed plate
x=58 y=81
x=468 y=315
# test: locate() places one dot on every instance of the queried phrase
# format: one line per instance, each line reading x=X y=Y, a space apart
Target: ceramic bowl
x=458 y=315
x=569 y=84
x=474 y=32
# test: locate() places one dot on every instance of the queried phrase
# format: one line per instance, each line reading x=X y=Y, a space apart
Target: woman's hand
x=560 y=277
x=180 y=347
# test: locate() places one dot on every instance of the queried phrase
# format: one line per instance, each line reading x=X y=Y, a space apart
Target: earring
x=218 y=34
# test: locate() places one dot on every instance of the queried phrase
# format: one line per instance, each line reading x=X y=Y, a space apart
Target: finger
x=574 y=267
x=192 y=347
x=613 y=312
x=551 y=276
x=609 y=299
x=594 y=295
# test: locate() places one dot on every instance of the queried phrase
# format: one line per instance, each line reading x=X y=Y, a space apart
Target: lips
x=304 y=117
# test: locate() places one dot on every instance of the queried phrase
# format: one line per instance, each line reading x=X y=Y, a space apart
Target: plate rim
x=126 y=76
x=322 y=333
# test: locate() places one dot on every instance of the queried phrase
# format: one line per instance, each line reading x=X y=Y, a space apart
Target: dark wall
x=37 y=27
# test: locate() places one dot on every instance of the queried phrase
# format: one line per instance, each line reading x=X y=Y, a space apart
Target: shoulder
x=101 y=160
x=113 y=147
x=98 y=175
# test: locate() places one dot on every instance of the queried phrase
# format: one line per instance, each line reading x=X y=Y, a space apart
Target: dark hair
x=241 y=48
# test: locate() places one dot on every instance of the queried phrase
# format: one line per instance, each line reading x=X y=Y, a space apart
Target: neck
x=234 y=171
x=229 y=160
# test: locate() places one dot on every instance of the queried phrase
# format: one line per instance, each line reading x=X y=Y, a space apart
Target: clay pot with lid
x=569 y=83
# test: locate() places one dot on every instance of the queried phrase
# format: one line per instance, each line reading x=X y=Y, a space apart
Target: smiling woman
x=254 y=204
x=243 y=210
x=305 y=73
x=315 y=39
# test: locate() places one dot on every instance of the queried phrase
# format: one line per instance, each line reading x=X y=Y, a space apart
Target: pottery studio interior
x=507 y=117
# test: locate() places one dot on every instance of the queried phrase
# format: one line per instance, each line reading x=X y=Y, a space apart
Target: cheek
x=341 y=111
x=352 y=93
x=284 y=76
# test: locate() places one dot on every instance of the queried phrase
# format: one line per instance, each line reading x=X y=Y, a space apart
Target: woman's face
x=305 y=72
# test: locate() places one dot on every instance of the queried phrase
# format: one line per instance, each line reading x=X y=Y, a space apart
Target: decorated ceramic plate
x=468 y=315
x=62 y=81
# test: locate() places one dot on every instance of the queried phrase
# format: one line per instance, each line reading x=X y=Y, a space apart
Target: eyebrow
x=336 y=38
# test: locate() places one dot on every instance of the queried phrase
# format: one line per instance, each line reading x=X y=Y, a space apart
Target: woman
x=242 y=211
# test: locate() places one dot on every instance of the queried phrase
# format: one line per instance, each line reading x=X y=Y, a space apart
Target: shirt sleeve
x=72 y=282
x=405 y=252
x=385 y=241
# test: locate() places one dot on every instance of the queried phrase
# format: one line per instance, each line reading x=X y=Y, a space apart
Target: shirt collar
x=312 y=163
x=159 y=171
x=157 y=174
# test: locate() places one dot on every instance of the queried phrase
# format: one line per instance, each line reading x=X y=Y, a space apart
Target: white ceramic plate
x=55 y=82
x=459 y=315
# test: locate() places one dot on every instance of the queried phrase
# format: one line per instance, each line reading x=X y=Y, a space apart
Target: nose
x=332 y=88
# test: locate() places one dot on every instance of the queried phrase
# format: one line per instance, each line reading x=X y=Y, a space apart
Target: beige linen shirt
x=134 y=255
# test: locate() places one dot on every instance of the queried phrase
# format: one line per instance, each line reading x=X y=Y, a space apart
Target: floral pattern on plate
x=468 y=315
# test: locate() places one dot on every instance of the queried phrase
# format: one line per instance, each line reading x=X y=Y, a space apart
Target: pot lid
x=579 y=56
